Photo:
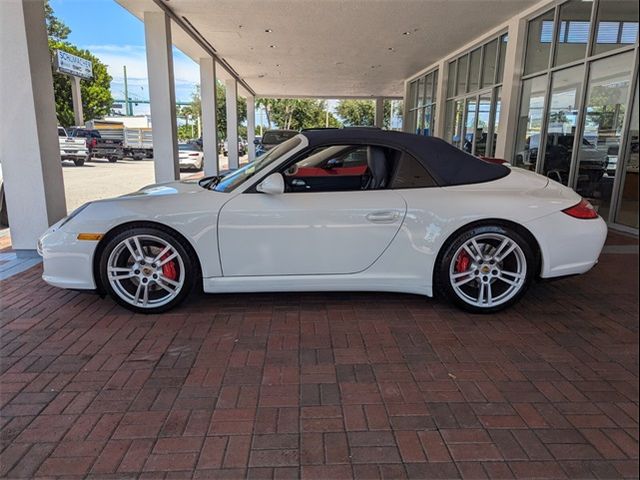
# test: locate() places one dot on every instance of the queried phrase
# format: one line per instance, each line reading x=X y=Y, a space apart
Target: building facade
x=553 y=90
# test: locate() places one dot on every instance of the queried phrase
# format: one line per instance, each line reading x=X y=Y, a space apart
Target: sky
x=117 y=38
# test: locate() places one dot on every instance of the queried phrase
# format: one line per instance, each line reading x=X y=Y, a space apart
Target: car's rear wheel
x=147 y=270
x=486 y=268
x=113 y=159
x=79 y=161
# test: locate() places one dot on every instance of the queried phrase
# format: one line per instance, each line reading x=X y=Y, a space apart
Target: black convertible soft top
x=447 y=164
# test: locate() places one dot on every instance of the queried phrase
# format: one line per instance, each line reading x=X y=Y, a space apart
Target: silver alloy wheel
x=136 y=271
x=488 y=270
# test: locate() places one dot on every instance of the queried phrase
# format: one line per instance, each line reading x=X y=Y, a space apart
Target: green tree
x=96 y=92
x=56 y=29
x=297 y=113
x=362 y=113
x=195 y=110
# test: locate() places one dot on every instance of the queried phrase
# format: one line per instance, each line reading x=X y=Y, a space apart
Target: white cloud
x=186 y=73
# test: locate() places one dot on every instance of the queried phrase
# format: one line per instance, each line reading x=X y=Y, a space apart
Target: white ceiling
x=332 y=48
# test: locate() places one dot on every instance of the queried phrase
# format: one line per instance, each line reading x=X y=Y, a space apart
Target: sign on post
x=73 y=65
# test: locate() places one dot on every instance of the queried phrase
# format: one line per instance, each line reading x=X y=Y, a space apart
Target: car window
x=337 y=168
x=409 y=173
x=275 y=137
x=231 y=181
x=334 y=168
x=61 y=132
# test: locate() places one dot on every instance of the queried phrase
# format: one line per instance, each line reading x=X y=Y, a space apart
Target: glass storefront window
x=573 y=32
x=428 y=90
x=489 y=63
x=539 y=38
x=451 y=79
x=422 y=97
x=463 y=63
x=504 y=39
x=530 y=122
x=562 y=119
x=421 y=92
x=608 y=92
x=628 y=203
x=469 y=125
x=457 y=124
x=495 y=121
x=474 y=70
x=617 y=25
x=427 y=121
x=482 y=127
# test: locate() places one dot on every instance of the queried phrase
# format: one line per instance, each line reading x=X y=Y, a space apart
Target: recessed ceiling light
x=277 y=64
x=272 y=46
x=391 y=49
x=268 y=30
x=406 y=33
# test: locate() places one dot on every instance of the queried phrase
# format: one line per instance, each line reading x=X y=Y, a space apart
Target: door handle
x=382 y=217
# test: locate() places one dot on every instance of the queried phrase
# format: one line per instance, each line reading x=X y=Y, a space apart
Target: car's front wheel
x=79 y=161
x=147 y=270
x=486 y=268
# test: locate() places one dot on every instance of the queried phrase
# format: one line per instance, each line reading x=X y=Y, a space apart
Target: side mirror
x=256 y=142
x=272 y=185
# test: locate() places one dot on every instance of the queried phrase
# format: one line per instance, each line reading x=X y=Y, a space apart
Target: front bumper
x=67 y=261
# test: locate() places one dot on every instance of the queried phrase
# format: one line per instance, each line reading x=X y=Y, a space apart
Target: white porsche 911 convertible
x=337 y=209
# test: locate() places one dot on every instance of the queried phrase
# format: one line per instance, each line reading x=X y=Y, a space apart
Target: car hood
x=168 y=188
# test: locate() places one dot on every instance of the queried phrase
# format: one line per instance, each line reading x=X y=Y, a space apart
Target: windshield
x=278 y=136
x=188 y=146
x=231 y=181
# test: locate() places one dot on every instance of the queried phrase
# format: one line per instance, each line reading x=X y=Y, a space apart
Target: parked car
x=190 y=156
x=383 y=211
x=242 y=147
x=72 y=148
x=271 y=138
x=109 y=148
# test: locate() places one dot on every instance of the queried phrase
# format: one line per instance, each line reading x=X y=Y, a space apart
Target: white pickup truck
x=72 y=148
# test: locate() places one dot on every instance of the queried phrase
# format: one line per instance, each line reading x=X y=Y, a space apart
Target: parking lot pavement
x=324 y=385
x=101 y=179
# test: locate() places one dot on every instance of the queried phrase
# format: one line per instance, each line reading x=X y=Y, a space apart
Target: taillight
x=583 y=210
x=193 y=154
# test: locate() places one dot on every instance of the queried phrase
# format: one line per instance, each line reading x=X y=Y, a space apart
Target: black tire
x=181 y=246
x=444 y=264
x=78 y=162
x=113 y=159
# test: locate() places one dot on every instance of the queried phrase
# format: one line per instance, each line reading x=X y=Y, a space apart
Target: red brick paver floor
x=327 y=385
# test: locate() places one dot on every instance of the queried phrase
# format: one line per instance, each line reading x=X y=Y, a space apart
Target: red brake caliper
x=169 y=268
x=462 y=262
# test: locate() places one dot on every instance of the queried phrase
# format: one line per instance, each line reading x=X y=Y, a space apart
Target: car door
x=308 y=232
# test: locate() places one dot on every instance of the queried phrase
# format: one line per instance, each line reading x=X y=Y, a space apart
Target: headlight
x=73 y=214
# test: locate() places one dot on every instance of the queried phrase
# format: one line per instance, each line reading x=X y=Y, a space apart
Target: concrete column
x=232 y=122
x=76 y=95
x=251 y=126
x=157 y=33
x=29 y=148
x=513 y=68
x=379 y=116
x=441 y=100
x=209 y=122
